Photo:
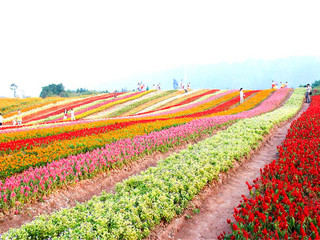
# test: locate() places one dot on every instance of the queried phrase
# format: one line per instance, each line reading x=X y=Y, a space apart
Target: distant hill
x=249 y=74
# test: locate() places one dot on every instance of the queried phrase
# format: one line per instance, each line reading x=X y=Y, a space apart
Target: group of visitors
x=156 y=87
x=17 y=120
x=141 y=86
x=275 y=85
x=72 y=116
x=182 y=86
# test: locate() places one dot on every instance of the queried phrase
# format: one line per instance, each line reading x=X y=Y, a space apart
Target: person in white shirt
x=241 y=95
x=1 y=119
x=72 y=115
x=308 y=93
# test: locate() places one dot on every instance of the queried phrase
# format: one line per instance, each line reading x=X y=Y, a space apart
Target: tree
x=82 y=90
x=316 y=84
x=52 y=90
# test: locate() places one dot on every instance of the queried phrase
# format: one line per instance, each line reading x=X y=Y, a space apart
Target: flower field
x=49 y=153
x=18 y=155
x=158 y=194
x=285 y=198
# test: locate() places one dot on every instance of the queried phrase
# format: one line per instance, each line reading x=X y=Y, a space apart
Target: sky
x=84 y=44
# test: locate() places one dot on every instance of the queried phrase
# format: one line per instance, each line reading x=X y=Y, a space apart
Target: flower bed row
x=85 y=107
x=9 y=105
x=285 y=199
x=257 y=98
x=189 y=99
x=222 y=108
x=36 y=151
x=154 y=102
x=184 y=97
x=32 y=105
x=161 y=192
x=60 y=109
x=32 y=178
x=213 y=101
x=30 y=134
x=11 y=139
x=41 y=109
x=133 y=105
x=112 y=103
x=43 y=130
x=250 y=102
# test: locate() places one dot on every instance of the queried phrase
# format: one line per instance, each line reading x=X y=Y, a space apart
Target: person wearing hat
x=241 y=95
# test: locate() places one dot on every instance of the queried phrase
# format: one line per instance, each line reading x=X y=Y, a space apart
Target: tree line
x=53 y=90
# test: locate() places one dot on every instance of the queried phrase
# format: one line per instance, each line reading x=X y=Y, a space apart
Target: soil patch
x=207 y=214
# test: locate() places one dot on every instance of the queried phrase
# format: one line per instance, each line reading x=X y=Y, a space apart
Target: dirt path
x=217 y=201
x=85 y=189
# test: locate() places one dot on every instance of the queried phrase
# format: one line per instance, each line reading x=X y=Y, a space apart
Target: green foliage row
x=158 y=194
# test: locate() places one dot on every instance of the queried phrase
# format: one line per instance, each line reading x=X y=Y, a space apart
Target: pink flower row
x=36 y=182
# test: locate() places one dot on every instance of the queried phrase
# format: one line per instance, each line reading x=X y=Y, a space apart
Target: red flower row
x=285 y=202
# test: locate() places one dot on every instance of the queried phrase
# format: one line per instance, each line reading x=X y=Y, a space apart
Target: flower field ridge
x=158 y=194
x=284 y=202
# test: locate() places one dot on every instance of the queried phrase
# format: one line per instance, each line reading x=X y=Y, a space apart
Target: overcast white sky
x=85 y=43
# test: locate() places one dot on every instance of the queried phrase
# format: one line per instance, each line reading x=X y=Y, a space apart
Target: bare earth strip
x=217 y=201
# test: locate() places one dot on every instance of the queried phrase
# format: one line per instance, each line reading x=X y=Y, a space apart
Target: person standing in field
x=19 y=117
x=241 y=95
x=308 y=93
x=1 y=119
x=72 y=115
x=286 y=85
x=115 y=94
x=273 y=85
x=65 y=116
